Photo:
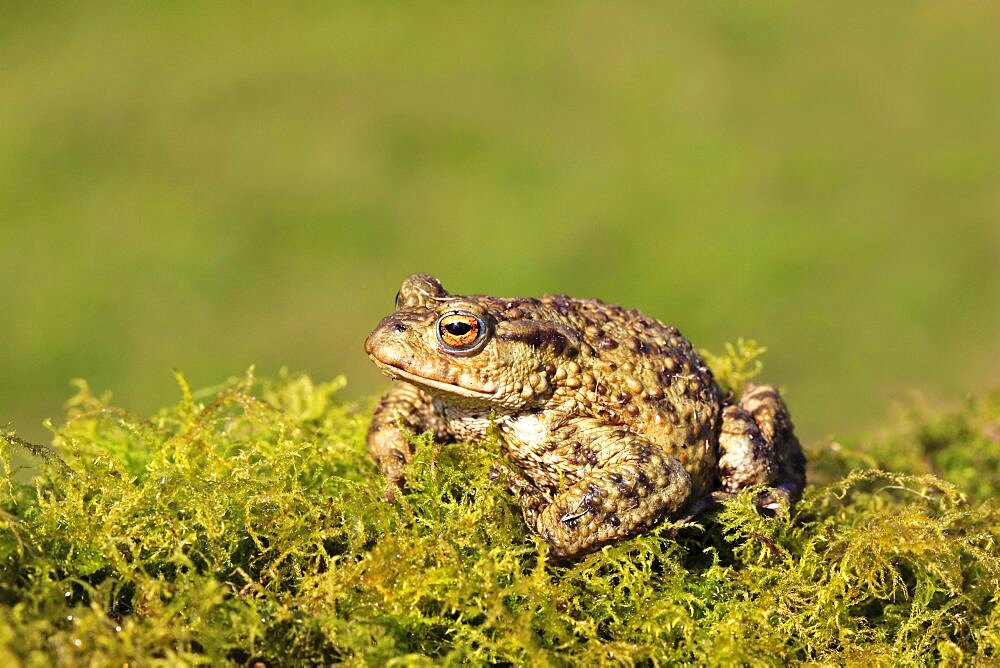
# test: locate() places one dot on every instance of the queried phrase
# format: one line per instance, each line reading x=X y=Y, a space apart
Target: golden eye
x=461 y=332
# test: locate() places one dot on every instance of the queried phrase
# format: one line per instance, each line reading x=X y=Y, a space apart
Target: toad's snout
x=384 y=343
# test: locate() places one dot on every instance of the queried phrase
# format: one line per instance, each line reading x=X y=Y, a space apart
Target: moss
x=246 y=524
x=737 y=366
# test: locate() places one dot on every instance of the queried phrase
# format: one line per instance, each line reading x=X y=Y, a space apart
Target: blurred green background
x=213 y=185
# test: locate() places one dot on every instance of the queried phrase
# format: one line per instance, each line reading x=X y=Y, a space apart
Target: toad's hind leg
x=626 y=495
x=758 y=445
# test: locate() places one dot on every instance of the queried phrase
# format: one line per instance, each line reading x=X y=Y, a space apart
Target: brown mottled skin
x=611 y=419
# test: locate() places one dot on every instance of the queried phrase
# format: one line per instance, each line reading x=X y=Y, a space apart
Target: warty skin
x=611 y=419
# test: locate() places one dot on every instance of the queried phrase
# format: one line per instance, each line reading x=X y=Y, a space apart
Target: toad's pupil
x=458 y=328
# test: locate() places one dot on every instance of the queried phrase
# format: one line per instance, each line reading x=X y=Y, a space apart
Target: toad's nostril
x=399 y=327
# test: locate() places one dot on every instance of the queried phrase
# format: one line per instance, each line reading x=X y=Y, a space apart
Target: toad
x=611 y=419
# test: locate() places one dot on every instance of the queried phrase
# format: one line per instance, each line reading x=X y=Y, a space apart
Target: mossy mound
x=247 y=525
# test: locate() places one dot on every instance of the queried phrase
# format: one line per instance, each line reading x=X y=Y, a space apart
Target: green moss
x=737 y=366
x=246 y=524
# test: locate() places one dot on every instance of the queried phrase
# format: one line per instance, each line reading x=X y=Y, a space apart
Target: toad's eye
x=461 y=332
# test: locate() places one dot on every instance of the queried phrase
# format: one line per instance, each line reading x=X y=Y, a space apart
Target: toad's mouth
x=399 y=372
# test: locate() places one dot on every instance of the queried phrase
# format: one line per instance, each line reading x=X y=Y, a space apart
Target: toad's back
x=641 y=375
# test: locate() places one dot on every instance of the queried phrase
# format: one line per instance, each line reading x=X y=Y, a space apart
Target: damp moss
x=246 y=524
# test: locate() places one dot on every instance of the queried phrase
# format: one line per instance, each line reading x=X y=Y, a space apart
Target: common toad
x=612 y=420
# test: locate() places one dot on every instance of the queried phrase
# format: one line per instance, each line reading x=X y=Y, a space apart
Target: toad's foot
x=758 y=446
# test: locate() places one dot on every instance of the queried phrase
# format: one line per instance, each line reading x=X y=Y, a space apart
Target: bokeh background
x=208 y=186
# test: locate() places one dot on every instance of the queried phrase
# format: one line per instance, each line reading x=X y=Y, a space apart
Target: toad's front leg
x=402 y=409
x=626 y=493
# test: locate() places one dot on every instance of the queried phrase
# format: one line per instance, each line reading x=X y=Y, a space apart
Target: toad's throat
x=399 y=372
